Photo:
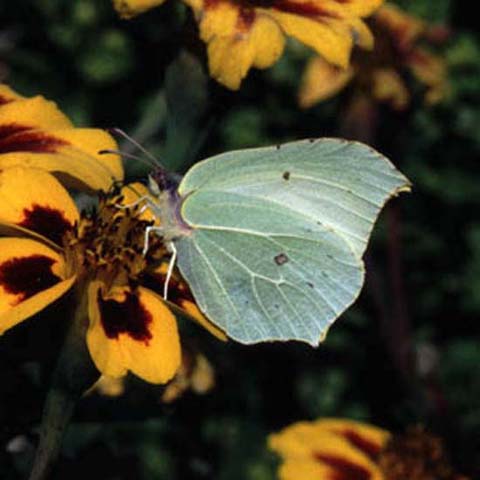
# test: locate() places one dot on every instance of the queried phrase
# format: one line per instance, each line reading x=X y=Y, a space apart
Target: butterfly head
x=160 y=181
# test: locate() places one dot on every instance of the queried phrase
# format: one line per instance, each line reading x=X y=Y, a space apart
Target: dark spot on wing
x=286 y=175
x=310 y=284
x=281 y=259
x=311 y=140
x=277 y=147
x=26 y=276
x=128 y=316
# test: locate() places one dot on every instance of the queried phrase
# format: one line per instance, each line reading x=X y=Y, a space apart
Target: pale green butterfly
x=270 y=240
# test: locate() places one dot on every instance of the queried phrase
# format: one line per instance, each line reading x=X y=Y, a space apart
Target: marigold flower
x=341 y=449
x=381 y=74
x=241 y=34
x=35 y=133
x=329 y=449
x=195 y=374
x=98 y=257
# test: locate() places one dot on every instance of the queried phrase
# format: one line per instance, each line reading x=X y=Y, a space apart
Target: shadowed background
x=406 y=353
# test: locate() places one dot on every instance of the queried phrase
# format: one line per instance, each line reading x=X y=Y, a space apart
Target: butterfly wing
x=277 y=235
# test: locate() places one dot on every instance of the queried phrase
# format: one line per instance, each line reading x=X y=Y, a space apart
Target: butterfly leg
x=148 y=231
x=171 y=265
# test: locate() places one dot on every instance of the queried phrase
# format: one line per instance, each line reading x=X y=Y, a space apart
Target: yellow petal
x=302 y=438
x=229 y=60
x=34 y=133
x=195 y=373
x=35 y=200
x=242 y=35
x=303 y=442
x=132 y=331
x=130 y=8
x=268 y=41
x=388 y=86
x=217 y=20
x=132 y=193
x=31 y=277
x=8 y=95
x=357 y=8
x=105 y=352
x=430 y=70
x=333 y=40
x=71 y=165
x=34 y=113
x=362 y=35
x=91 y=141
x=368 y=438
x=258 y=44
x=108 y=387
x=309 y=469
x=321 y=81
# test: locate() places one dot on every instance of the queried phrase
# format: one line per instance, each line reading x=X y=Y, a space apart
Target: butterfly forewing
x=277 y=235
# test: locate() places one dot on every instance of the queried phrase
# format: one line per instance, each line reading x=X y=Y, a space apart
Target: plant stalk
x=73 y=375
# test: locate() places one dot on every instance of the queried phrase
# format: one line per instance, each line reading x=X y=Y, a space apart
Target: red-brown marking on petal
x=49 y=222
x=209 y=4
x=245 y=20
x=26 y=276
x=4 y=100
x=344 y=469
x=305 y=9
x=23 y=138
x=247 y=9
x=12 y=129
x=128 y=317
x=366 y=445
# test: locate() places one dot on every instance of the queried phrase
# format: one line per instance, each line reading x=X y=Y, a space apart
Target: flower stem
x=57 y=412
x=73 y=375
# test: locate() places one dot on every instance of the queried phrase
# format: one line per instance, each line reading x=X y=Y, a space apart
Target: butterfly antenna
x=128 y=155
x=127 y=137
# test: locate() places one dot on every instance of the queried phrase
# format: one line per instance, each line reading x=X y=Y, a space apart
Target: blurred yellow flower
x=241 y=34
x=195 y=374
x=382 y=74
x=98 y=258
x=329 y=449
x=130 y=8
x=35 y=133
x=341 y=449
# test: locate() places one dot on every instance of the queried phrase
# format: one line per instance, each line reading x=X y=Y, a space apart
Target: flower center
x=416 y=455
x=108 y=244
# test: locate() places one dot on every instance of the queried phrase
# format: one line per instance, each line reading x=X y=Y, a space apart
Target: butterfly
x=270 y=240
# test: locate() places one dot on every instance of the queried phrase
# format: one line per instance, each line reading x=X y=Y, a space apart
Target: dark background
x=406 y=353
